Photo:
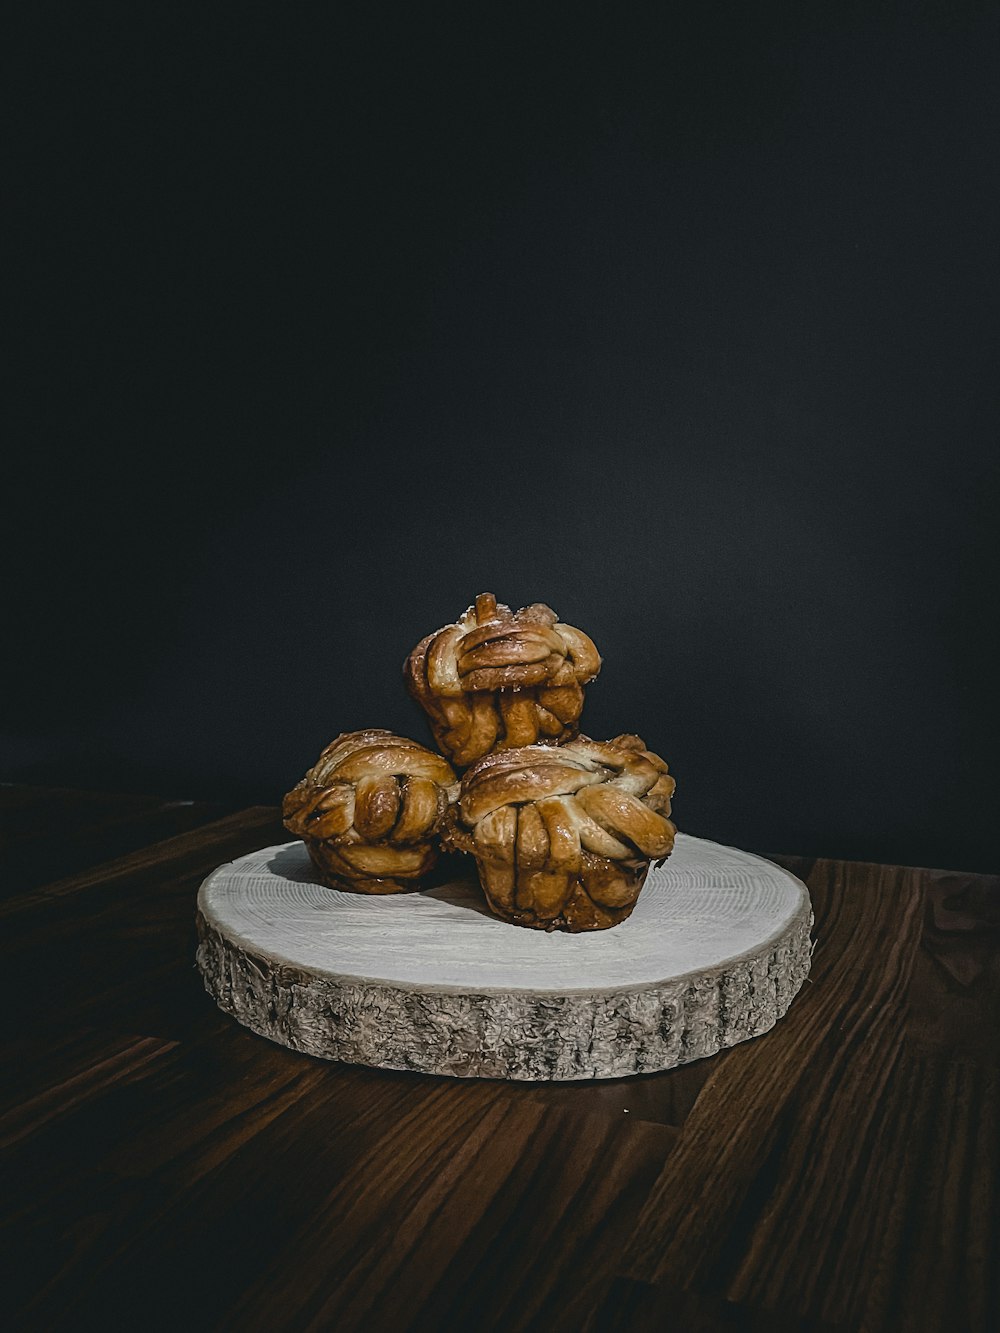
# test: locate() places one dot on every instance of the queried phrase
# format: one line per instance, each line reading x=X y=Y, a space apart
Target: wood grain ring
x=714 y=953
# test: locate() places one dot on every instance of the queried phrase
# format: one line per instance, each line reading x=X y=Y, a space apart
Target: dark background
x=681 y=318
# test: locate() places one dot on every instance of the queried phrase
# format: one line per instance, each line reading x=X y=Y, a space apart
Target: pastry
x=564 y=835
x=498 y=680
x=370 y=809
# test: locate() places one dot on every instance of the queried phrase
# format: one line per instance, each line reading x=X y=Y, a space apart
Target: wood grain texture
x=716 y=950
x=46 y=833
x=838 y=1173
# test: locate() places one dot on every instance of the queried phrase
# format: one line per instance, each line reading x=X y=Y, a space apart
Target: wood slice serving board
x=714 y=953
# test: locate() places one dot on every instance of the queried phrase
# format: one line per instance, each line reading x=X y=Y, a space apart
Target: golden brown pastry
x=563 y=835
x=498 y=680
x=370 y=809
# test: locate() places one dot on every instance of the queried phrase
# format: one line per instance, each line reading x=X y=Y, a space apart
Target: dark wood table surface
x=163 y=1168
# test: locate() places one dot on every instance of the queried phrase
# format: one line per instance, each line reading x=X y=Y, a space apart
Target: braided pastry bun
x=563 y=836
x=370 y=809
x=498 y=680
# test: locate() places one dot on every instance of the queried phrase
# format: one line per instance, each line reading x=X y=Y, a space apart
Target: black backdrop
x=680 y=318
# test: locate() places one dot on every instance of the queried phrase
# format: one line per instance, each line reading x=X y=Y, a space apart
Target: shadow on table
x=293 y=863
x=451 y=881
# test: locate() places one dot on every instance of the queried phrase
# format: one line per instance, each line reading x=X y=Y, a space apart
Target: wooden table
x=166 y=1169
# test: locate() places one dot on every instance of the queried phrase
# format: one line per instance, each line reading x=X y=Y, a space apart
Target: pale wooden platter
x=715 y=951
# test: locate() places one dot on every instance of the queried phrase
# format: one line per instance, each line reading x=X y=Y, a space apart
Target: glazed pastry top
x=494 y=648
x=552 y=805
x=371 y=787
x=500 y=679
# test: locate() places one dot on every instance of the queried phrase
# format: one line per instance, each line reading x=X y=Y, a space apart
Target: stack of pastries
x=562 y=829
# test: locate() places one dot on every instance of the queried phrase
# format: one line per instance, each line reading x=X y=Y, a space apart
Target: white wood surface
x=716 y=948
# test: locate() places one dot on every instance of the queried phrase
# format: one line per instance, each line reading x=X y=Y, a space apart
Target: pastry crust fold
x=370 y=811
x=498 y=679
x=564 y=836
